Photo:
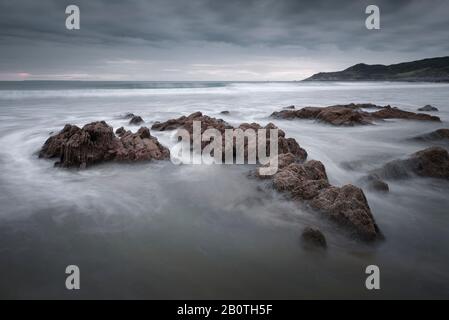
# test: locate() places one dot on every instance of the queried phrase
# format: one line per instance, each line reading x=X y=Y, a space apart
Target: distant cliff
x=434 y=69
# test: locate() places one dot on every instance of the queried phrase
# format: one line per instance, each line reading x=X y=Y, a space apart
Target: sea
x=156 y=230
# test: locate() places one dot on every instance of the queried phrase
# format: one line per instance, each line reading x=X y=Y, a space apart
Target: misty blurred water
x=155 y=230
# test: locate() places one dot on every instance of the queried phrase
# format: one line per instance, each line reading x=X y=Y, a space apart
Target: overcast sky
x=212 y=39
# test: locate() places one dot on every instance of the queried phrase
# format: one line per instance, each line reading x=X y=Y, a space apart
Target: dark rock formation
x=225 y=112
x=395 y=113
x=348 y=207
x=351 y=114
x=136 y=120
x=428 y=108
x=343 y=116
x=313 y=237
x=304 y=113
x=139 y=146
x=96 y=143
x=128 y=115
x=285 y=145
x=120 y=131
x=375 y=183
x=432 y=162
x=440 y=134
x=289 y=107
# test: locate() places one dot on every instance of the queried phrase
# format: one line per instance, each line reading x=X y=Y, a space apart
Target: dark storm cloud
x=191 y=32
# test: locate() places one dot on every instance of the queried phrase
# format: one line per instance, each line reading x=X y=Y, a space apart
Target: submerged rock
x=136 y=120
x=313 y=237
x=376 y=183
x=432 y=162
x=428 y=108
x=440 y=134
x=225 y=112
x=128 y=115
x=96 y=143
x=351 y=114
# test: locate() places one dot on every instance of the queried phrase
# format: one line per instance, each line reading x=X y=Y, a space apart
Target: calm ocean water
x=155 y=230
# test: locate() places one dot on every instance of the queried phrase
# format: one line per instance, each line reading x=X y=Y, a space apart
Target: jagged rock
x=428 y=108
x=440 y=134
x=309 y=182
x=431 y=162
x=187 y=123
x=289 y=107
x=313 y=237
x=348 y=207
x=136 y=120
x=140 y=146
x=120 y=131
x=285 y=145
x=351 y=114
x=54 y=145
x=303 y=181
x=96 y=143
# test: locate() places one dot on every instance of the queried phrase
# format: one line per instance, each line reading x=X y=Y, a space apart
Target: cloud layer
x=211 y=39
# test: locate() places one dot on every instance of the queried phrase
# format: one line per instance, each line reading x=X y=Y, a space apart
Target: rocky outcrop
x=96 y=143
x=395 y=113
x=303 y=181
x=431 y=162
x=308 y=182
x=428 y=108
x=285 y=145
x=351 y=114
x=139 y=146
x=136 y=120
x=313 y=237
x=348 y=207
x=437 y=135
x=225 y=112
x=343 y=116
